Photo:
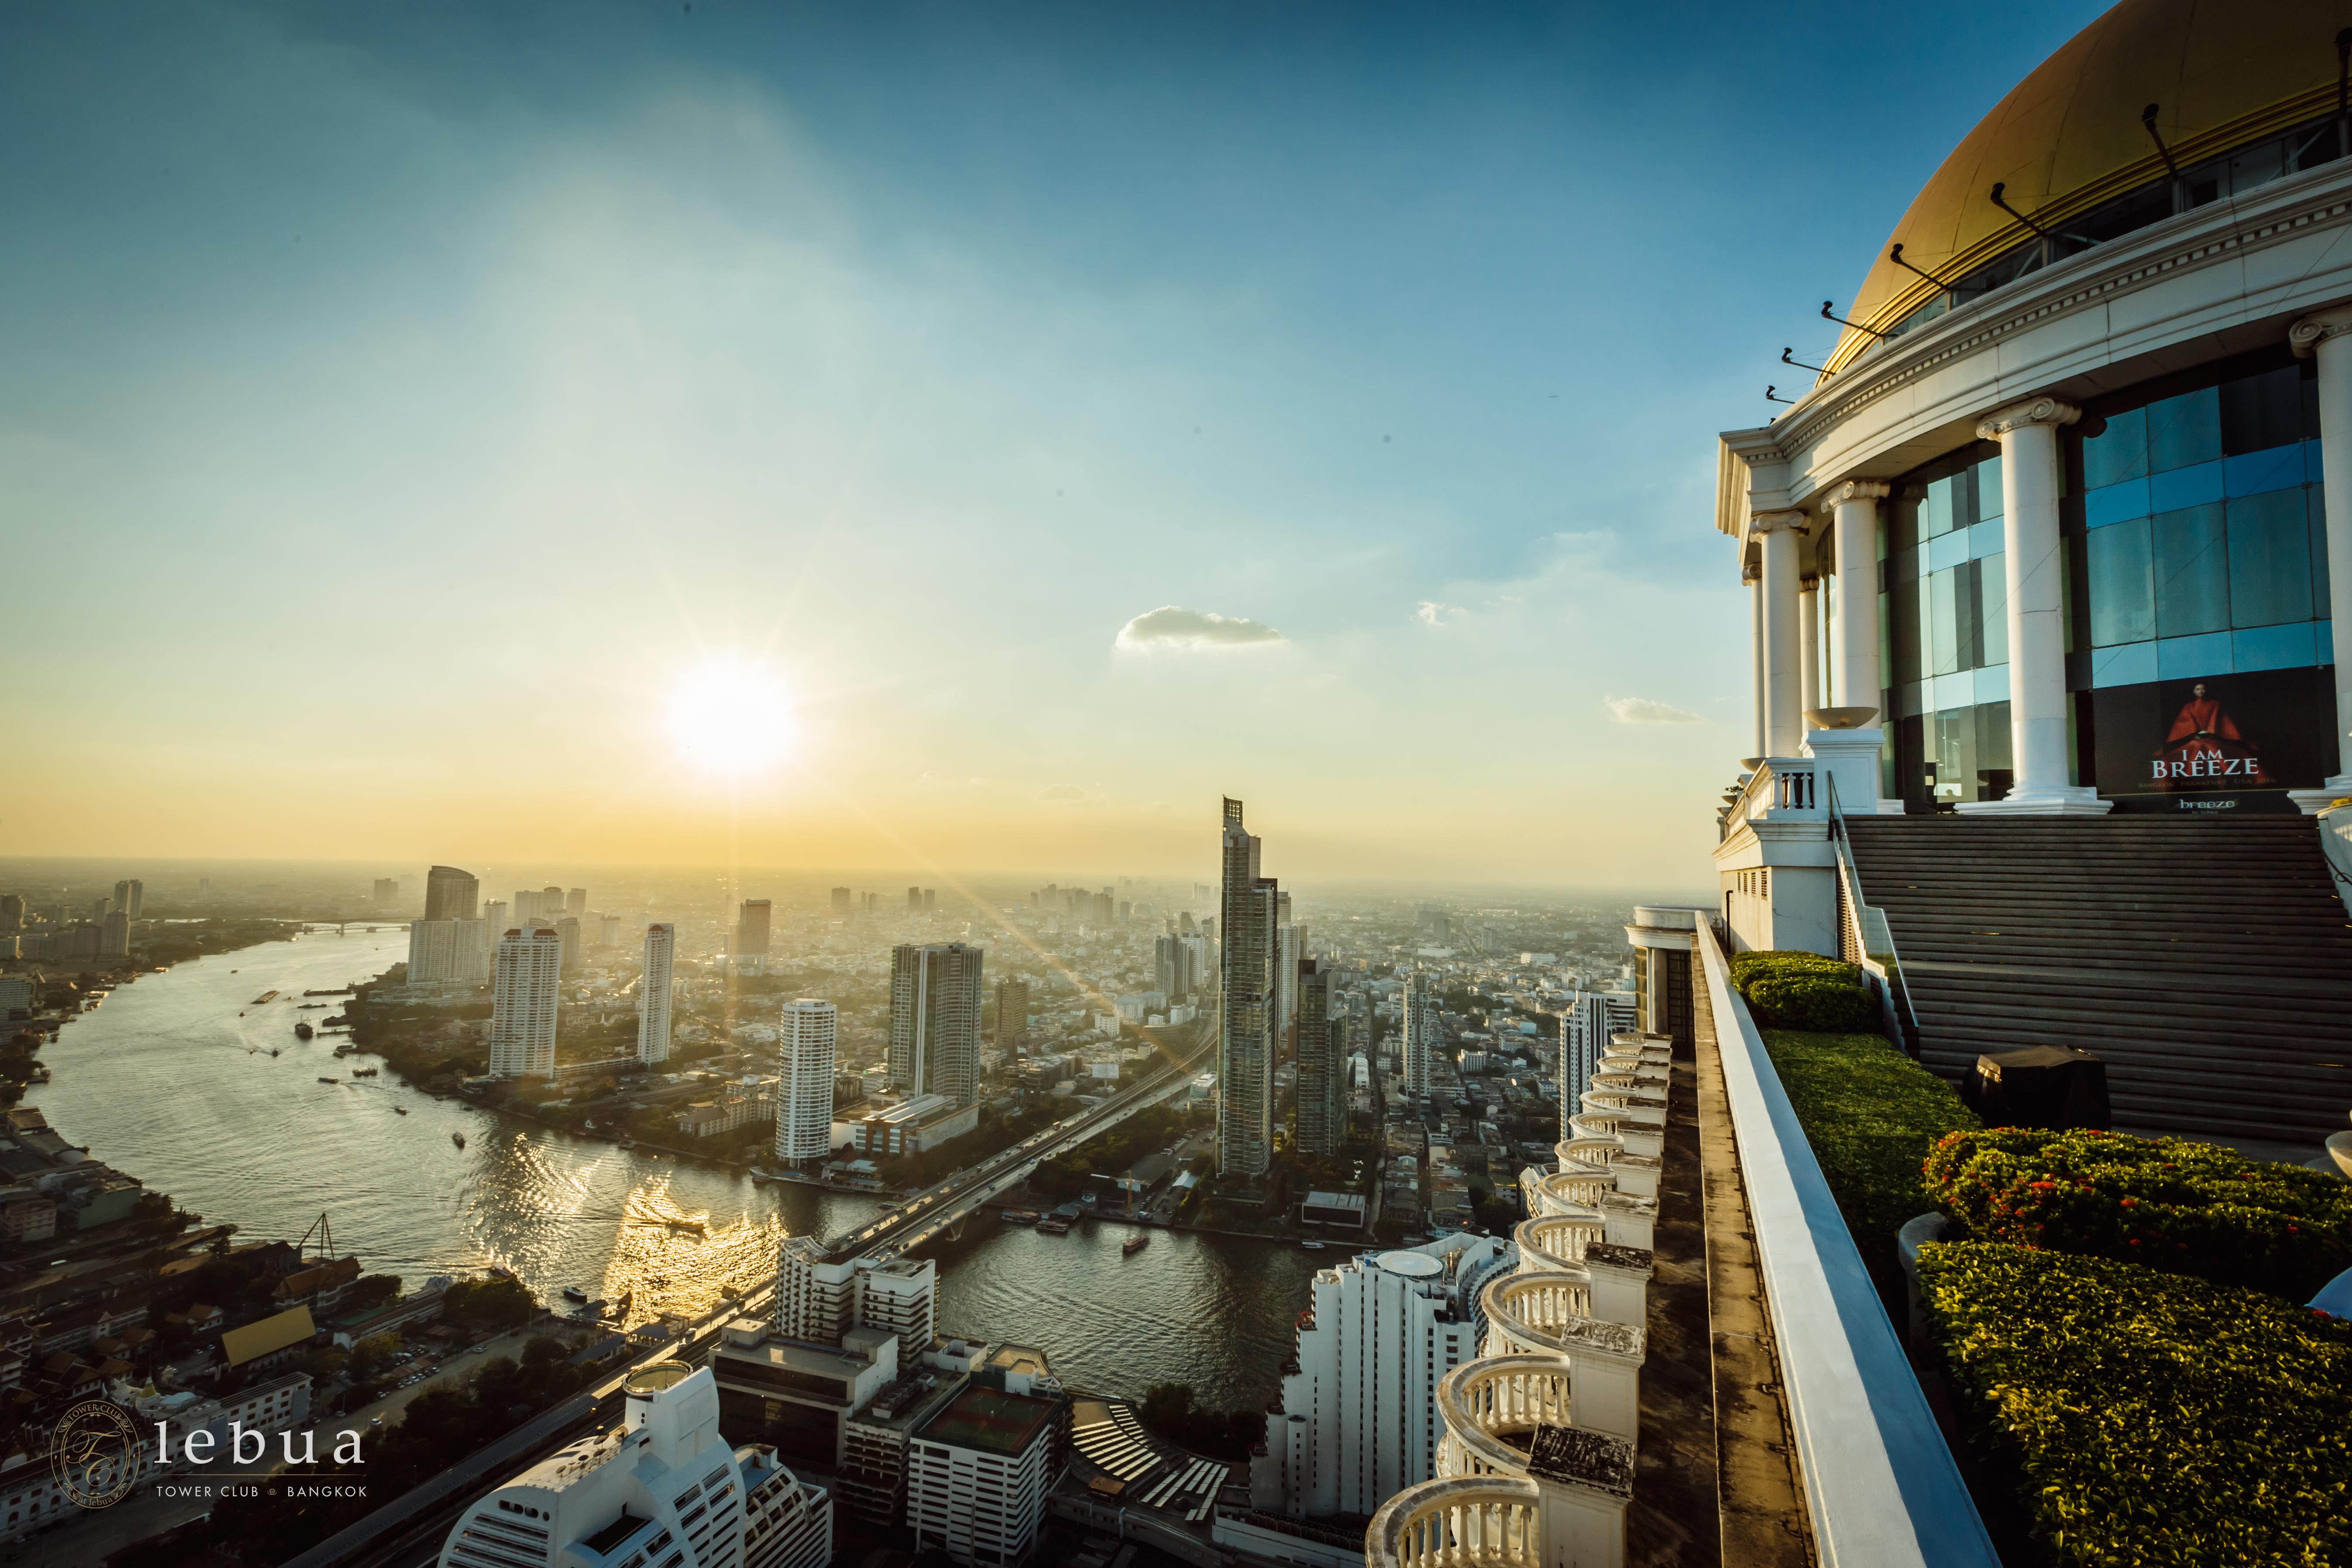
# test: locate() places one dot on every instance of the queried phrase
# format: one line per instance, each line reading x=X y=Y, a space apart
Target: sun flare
x=732 y=719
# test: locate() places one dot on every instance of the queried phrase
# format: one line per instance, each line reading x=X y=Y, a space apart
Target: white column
x=2324 y=337
x=1809 y=649
x=2030 y=483
x=1752 y=578
x=1784 y=719
x=1853 y=631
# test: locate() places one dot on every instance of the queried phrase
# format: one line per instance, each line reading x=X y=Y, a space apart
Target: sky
x=873 y=434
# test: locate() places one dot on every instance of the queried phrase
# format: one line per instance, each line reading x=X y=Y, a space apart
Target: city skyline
x=1234 y=382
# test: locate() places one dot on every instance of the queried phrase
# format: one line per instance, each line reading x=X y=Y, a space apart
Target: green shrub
x=2188 y=1208
x=1871 y=1113
x=1793 y=990
x=2156 y=1419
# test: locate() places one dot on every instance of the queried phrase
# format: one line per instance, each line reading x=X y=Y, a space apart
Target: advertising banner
x=2214 y=742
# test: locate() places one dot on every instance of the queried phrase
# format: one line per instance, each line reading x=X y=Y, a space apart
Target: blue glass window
x=2121 y=583
x=2184 y=431
x=2115 y=503
x=2179 y=658
x=2269 y=559
x=2251 y=473
x=2176 y=488
x=2192 y=575
x=2118 y=453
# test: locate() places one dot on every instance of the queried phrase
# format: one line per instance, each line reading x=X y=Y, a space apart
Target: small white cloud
x=1432 y=613
x=1642 y=710
x=1172 y=626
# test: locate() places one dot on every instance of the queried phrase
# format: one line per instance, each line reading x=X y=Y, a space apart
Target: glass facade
x=1947 y=632
x=2195 y=581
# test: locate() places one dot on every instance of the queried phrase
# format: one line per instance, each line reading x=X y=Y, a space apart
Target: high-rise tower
x=451 y=894
x=935 y=1020
x=522 y=1003
x=653 y=994
x=751 y=928
x=1245 y=1041
x=130 y=896
x=806 y=1056
x=1012 y=1017
x=1420 y=1033
x=1322 y=1047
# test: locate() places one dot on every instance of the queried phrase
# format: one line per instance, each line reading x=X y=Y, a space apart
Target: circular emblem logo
x=95 y=1453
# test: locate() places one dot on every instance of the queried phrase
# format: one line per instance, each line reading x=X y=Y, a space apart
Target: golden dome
x=2068 y=137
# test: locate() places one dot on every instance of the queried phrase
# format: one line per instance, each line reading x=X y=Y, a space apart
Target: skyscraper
x=935 y=1020
x=114 y=935
x=1289 y=947
x=530 y=903
x=841 y=903
x=1584 y=1031
x=387 y=890
x=914 y=900
x=751 y=928
x=1422 y=1033
x=575 y=902
x=494 y=924
x=447 y=951
x=806 y=1059
x=1322 y=1048
x=522 y=1003
x=129 y=896
x=11 y=911
x=575 y=949
x=451 y=894
x=1011 y=1016
x=653 y=994
x=1245 y=1040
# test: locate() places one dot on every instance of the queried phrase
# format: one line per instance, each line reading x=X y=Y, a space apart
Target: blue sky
x=400 y=402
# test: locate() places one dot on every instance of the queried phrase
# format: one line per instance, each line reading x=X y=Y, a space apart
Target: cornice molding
x=2025 y=415
x=1867 y=382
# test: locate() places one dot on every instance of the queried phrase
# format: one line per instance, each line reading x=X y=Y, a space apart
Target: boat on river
x=400 y=1110
x=458 y=1138
x=330 y=1080
x=573 y=1293
x=1133 y=1244
x=265 y=997
x=302 y=1031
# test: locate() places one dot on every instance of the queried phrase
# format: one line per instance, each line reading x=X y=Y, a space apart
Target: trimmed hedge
x=2157 y=1419
x=1870 y=1114
x=2187 y=1208
x=1787 y=989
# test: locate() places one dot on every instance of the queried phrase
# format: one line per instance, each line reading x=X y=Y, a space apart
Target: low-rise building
x=978 y=1472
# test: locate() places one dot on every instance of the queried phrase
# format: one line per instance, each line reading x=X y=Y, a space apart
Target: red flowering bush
x=2186 y=1208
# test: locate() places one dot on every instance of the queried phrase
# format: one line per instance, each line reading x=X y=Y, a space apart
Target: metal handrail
x=1886 y=965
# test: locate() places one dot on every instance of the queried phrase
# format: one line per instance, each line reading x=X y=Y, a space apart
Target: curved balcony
x=1527 y=1313
x=1573 y=1189
x=1554 y=1243
x=1492 y=1407
x=1478 y=1522
x=1550 y=1315
x=1598 y=1152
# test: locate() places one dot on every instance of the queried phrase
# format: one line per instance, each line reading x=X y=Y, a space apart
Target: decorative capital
x=1777 y=521
x=2305 y=336
x=1750 y=572
x=1852 y=490
x=2019 y=415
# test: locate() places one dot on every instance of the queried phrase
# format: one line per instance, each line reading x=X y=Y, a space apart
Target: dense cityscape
x=886 y=787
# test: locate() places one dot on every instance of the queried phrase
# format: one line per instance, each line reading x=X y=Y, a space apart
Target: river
x=172 y=1082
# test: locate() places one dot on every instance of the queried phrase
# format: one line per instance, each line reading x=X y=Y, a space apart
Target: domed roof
x=2222 y=72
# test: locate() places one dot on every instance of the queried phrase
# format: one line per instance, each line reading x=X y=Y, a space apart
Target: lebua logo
x=95 y=1452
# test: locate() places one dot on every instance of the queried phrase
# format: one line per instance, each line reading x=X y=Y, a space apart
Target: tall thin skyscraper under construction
x=935 y=1020
x=1246 y=925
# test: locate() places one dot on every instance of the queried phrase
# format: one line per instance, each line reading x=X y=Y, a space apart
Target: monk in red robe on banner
x=2205 y=751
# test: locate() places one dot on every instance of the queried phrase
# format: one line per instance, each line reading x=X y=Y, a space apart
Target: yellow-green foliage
x=2158 y=1419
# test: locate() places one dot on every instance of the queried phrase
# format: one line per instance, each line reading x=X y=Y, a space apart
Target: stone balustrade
x=1488 y=1402
x=1478 y=1522
x=1551 y=1314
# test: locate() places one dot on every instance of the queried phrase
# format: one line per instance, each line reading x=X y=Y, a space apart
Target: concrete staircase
x=2208 y=960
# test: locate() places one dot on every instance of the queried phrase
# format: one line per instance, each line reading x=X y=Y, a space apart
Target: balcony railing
x=1480 y=1522
x=1488 y=1402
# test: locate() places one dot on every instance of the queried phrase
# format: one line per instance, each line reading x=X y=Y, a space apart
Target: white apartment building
x=977 y=1475
x=528 y=974
x=1358 y=1421
x=661 y=1491
x=806 y=1059
x=819 y=1299
x=898 y=1297
x=1591 y=1019
x=654 y=993
x=445 y=950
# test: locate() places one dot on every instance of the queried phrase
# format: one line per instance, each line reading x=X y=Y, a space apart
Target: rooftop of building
x=990 y=1421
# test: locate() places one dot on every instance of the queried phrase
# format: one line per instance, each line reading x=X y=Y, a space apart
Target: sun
x=732 y=719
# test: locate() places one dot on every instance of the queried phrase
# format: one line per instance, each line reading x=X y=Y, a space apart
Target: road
x=408 y=1531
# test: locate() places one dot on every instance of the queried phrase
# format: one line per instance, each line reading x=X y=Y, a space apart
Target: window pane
x=1989 y=502
x=1994 y=774
x=1936 y=510
x=2184 y=430
x=2192 y=577
x=2257 y=165
x=2117 y=453
x=2269 y=559
x=1994 y=633
x=1955 y=754
x=1943 y=621
x=2262 y=411
x=2122 y=598
x=2318 y=551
